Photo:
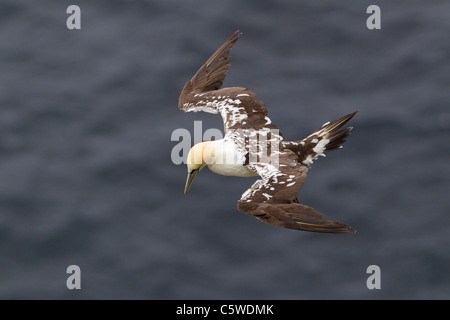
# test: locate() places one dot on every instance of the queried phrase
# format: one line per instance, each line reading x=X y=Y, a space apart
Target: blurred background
x=86 y=176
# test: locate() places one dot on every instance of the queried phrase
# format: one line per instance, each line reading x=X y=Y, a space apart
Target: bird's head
x=198 y=157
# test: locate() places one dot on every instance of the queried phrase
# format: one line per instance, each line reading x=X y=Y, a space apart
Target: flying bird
x=253 y=146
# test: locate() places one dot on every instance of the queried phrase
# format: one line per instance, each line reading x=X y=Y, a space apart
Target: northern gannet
x=243 y=151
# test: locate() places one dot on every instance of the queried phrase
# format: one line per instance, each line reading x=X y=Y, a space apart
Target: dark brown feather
x=273 y=199
x=204 y=93
x=212 y=73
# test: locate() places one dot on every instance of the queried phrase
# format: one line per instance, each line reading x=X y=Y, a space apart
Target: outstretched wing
x=273 y=199
x=211 y=74
x=239 y=107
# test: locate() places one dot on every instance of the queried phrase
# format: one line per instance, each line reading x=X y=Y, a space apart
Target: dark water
x=86 y=177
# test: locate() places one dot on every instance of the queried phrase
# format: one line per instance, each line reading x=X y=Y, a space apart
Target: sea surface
x=87 y=179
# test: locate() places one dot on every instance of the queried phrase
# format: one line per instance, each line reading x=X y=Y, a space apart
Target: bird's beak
x=190 y=179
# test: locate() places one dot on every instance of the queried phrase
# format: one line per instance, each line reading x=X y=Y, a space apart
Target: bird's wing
x=211 y=74
x=273 y=199
x=239 y=107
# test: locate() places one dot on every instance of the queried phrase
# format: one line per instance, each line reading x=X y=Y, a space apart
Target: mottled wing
x=211 y=74
x=273 y=199
x=239 y=107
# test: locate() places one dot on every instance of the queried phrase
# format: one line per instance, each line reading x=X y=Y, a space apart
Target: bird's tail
x=326 y=138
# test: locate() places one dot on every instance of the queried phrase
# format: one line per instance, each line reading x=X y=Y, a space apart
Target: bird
x=253 y=146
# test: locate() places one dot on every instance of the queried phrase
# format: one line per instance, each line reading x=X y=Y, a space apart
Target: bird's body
x=228 y=160
x=253 y=146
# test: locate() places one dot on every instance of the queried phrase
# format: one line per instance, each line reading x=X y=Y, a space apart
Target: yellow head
x=198 y=157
